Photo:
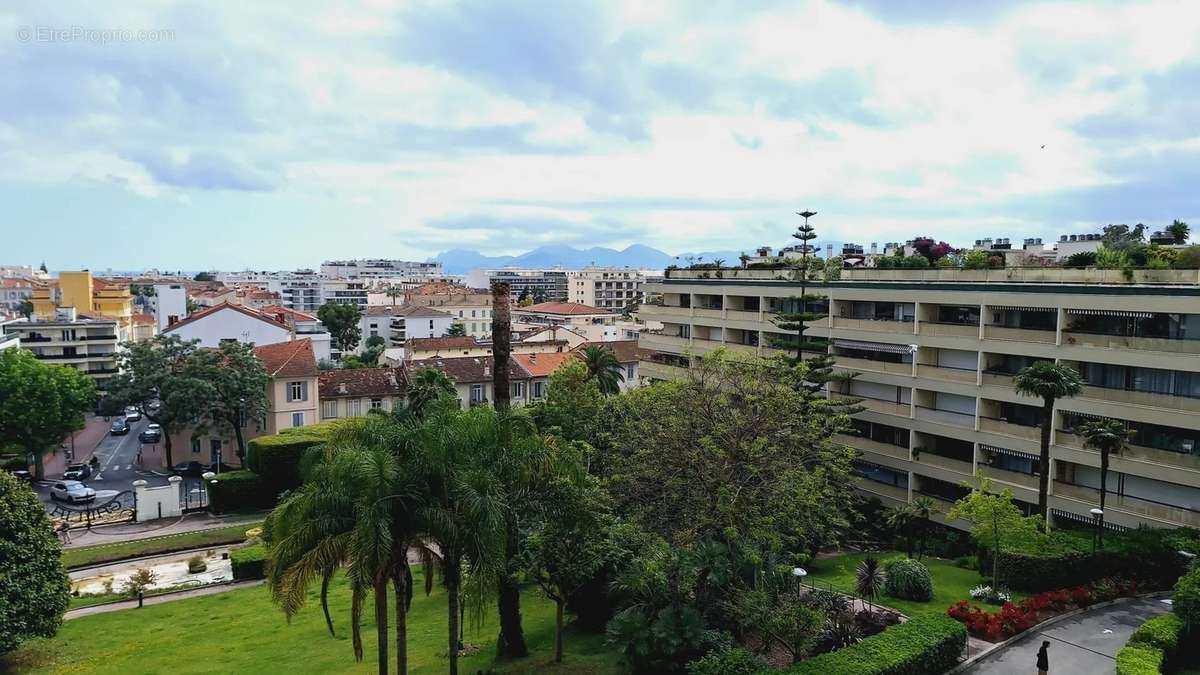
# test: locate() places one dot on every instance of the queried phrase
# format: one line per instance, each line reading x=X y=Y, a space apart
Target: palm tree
x=1108 y=436
x=427 y=386
x=357 y=510
x=900 y=519
x=1180 y=231
x=923 y=510
x=869 y=579
x=603 y=365
x=1049 y=382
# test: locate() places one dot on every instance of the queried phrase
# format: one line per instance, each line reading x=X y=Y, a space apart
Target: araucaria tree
x=39 y=403
x=34 y=590
x=163 y=370
x=1049 y=382
x=342 y=322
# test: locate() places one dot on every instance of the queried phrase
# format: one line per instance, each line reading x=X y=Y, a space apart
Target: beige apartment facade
x=610 y=288
x=935 y=354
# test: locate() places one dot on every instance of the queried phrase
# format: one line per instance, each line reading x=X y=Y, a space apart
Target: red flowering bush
x=1081 y=596
x=1012 y=618
x=1017 y=618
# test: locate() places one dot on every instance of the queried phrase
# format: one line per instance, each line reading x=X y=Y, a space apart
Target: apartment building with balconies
x=935 y=352
x=85 y=342
x=611 y=288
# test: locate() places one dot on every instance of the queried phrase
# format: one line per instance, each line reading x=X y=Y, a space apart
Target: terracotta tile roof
x=294 y=314
x=626 y=351
x=560 y=308
x=405 y=310
x=143 y=318
x=16 y=282
x=288 y=359
x=446 y=288
x=439 y=343
x=541 y=365
x=360 y=382
x=254 y=313
x=469 y=369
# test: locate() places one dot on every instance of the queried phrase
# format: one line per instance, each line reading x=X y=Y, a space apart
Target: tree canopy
x=40 y=403
x=342 y=322
x=34 y=591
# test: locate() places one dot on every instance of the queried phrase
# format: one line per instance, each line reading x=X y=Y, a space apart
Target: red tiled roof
x=626 y=351
x=469 y=369
x=542 y=365
x=560 y=308
x=438 y=343
x=253 y=313
x=288 y=359
x=295 y=314
x=143 y=318
x=359 y=382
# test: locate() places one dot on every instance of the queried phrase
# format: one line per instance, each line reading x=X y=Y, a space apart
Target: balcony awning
x=1023 y=308
x=873 y=346
x=1112 y=312
x=1005 y=451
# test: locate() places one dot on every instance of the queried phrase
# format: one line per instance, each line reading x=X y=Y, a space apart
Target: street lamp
x=206 y=478
x=1098 y=535
x=799 y=573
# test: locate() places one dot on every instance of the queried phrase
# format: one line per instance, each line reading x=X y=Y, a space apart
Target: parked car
x=77 y=472
x=72 y=491
x=133 y=414
x=119 y=427
x=188 y=469
x=152 y=434
x=220 y=469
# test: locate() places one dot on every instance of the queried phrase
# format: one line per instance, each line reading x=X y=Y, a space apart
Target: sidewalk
x=192 y=522
x=86 y=440
x=159 y=599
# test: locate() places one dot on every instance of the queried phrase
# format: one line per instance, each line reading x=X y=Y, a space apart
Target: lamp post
x=799 y=573
x=205 y=479
x=1098 y=535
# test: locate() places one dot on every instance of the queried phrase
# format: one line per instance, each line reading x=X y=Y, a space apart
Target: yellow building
x=87 y=295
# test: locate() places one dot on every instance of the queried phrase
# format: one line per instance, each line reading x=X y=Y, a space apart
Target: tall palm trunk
x=1044 y=461
x=450 y=572
x=325 y=578
x=558 y=629
x=400 y=590
x=1103 y=492
x=501 y=345
x=381 y=622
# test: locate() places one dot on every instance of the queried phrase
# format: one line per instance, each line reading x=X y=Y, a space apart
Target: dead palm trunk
x=1044 y=462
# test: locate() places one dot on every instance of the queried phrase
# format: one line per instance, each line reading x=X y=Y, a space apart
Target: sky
x=277 y=134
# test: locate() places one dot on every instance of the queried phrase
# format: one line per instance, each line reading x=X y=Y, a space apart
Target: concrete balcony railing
x=885 y=407
x=1142 y=398
x=947 y=417
x=874 y=325
x=1018 y=334
x=1141 y=508
x=672 y=344
x=665 y=311
x=661 y=371
x=956 y=465
x=703 y=313
x=882 y=489
x=1009 y=429
x=1022 y=479
x=1026 y=275
x=947 y=374
x=744 y=314
x=950 y=329
x=876 y=447
x=997 y=380
x=868 y=365
x=1138 y=453
x=1132 y=343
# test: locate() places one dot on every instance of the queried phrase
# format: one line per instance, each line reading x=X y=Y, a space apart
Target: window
x=518 y=389
x=297 y=391
x=376 y=404
x=353 y=407
x=196 y=445
x=629 y=373
x=538 y=388
x=374 y=333
x=472 y=314
x=476 y=393
x=431 y=324
x=297 y=419
x=328 y=410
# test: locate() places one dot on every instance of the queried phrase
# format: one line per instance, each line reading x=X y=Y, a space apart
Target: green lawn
x=950 y=583
x=85 y=556
x=242 y=632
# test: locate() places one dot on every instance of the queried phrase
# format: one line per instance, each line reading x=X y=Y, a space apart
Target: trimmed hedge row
x=277 y=458
x=1146 y=556
x=240 y=491
x=1139 y=660
x=249 y=562
x=921 y=646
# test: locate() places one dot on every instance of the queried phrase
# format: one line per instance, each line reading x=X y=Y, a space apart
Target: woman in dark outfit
x=1043 y=663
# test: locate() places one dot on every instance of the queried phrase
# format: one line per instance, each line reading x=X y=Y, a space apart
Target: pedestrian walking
x=1043 y=662
x=64 y=530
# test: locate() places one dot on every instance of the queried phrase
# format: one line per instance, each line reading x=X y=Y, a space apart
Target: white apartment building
x=396 y=324
x=13 y=292
x=379 y=268
x=935 y=352
x=546 y=284
x=270 y=325
x=85 y=342
x=170 y=304
x=469 y=307
x=611 y=288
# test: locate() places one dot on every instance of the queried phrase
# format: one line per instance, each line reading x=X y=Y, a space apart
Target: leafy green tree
x=1122 y=237
x=342 y=321
x=781 y=618
x=1049 y=382
x=40 y=404
x=375 y=346
x=603 y=366
x=358 y=509
x=191 y=306
x=736 y=452
x=457 y=329
x=203 y=276
x=900 y=519
x=34 y=590
x=996 y=520
x=238 y=389
x=25 y=308
x=163 y=370
x=1109 y=436
x=427 y=386
x=1180 y=231
x=573 y=403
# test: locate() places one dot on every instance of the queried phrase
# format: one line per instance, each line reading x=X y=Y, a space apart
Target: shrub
x=924 y=644
x=1162 y=632
x=240 y=491
x=729 y=661
x=138 y=582
x=196 y=564
x=1139 y=660
x=908 y=579
x=967 y=562
x=249 y=562
x=34 y=590
x=277 y=458
x=1186 y=603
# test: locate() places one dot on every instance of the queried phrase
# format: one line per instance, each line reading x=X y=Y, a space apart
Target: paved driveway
x=1085 y=644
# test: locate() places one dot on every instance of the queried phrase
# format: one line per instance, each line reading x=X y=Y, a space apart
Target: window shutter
x=303 y=391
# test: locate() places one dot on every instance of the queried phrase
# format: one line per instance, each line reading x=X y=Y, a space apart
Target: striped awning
x=1005 y=451
x=873 y=346
x=1112 y=312
x=1023 y=308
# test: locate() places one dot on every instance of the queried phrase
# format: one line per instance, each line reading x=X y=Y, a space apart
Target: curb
x=1049 y=622
x=154 y=556
x=231 y=584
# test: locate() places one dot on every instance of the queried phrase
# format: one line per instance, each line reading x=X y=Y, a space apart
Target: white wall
x=230 y=324
x=957 y=358
x=169 y=300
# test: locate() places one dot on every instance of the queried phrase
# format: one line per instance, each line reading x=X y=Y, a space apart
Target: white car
x=71 y=491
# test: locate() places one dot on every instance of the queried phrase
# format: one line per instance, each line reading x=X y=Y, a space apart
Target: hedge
x=908 y=579
x=1186 y=601
x=277 y=458
x=240 y=491
x=922 y=646
x=729 y=661
x=249 y=562
x=1139 y=660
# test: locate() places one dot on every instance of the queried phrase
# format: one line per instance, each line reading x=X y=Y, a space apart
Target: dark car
x=221 y=468
x=77 y=472
x=152 y=434
x=188 y=469
x=119 y=427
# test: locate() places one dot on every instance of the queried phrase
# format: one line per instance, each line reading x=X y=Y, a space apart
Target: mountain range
x=461 y=261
